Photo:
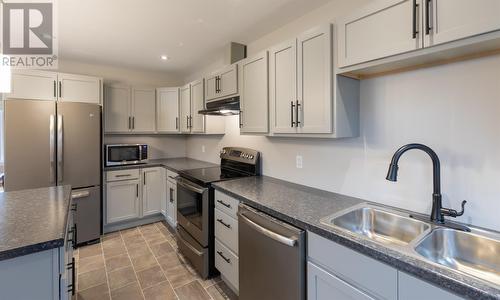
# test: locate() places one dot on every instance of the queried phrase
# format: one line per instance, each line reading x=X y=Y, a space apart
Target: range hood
x=224 y=107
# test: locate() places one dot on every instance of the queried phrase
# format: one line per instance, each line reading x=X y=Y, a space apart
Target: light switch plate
x=298 y=161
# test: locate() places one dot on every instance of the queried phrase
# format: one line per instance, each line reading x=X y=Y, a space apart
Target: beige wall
x=453 y=108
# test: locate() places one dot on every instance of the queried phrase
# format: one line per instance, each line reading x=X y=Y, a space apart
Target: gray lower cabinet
x=411 y=288
x=323 y=285
x=337 y=272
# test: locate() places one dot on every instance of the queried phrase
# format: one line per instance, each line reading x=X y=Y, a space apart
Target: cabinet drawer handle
x=414 y=20
x=225 y=204
x=223 y=257
x=292 y=106
x=123 y=175
x=297 y=113
x=222 y=222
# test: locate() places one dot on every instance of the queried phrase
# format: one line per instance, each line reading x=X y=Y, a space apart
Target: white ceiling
x=135 y=33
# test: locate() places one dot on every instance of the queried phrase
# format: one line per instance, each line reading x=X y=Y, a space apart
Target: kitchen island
x=36 y=232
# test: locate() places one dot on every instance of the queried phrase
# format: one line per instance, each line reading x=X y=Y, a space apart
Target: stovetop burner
x=205 y=176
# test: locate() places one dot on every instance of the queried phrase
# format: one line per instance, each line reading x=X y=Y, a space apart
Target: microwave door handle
x=191 y=187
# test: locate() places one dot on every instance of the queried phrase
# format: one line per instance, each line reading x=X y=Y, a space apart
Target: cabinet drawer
x=226 y=230
x=171 y=175
x=359 y=270
x=226 y=203
x=122 y=175
x=227 y=263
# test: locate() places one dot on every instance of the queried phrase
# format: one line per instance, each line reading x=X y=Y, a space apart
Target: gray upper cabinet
x=167 y=110
x=117 y=109
x=301 y=83
x=53 y=86
x=222 y=83
x=381 y=29
x=185 y=108
x=451 y=20
x=143 y=110
x=254 y=94
x=197 y=104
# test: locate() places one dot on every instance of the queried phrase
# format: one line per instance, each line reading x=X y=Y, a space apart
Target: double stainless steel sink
x=476 y=253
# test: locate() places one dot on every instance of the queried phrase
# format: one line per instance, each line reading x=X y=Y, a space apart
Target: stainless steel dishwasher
x=271 y=257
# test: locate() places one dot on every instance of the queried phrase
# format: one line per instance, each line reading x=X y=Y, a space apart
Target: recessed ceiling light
x=164 y=57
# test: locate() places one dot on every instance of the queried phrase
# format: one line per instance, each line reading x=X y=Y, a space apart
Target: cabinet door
x=210 y=87
x=228 y=81
x=143 y=110
x=451 y=20
x=322 y=285
x=411 y=288
x=172 y=203
x=197 y=104
x=283 y=86
x=167 y=110
x=34 y=85
x=79 y=88
x=379 y=30
x=153 y=190
x=254 y=94
x=314 y=73
x=122 y=200
x=185 y=103
x=117 y=109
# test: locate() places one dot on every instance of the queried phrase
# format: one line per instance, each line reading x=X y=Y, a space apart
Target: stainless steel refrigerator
x=57 y=143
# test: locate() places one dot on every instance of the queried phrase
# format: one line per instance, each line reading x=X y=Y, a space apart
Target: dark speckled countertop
x=173 y=164
x=33 y=220
x=304 y=207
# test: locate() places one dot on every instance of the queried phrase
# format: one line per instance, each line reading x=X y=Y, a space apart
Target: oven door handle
x=182 y=182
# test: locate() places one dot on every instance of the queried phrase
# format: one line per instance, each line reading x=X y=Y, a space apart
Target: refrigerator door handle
x=60 y=143
x=52 y=150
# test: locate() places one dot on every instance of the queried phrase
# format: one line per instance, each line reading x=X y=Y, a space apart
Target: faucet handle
x=453 y=213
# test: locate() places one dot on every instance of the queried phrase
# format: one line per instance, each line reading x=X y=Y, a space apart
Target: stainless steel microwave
x=126 y=154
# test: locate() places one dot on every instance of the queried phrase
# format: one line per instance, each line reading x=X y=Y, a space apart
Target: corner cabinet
x=167 y=110
x=197 y=103
x=337 y=272
x=52 y=86
x=222 y=83
x=254 y=117
x=153 y=190
x=301 y=83
x=185 y=108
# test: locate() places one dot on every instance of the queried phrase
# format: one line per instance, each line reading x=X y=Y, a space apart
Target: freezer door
x=29 y=144
x=87 y=203
x=79 y=144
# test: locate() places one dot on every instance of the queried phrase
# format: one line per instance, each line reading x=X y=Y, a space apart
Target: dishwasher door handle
x=270 y=234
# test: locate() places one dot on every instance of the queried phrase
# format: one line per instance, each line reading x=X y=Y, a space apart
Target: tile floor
x=141 y=263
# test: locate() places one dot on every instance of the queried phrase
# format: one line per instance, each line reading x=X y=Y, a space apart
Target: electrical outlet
x=298 y=161
x=203 y=148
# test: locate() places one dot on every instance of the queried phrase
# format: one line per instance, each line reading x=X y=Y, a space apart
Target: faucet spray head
x=392 y=173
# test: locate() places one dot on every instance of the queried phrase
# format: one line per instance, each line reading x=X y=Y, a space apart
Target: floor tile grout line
x=105 y=270
x=163 y=272
x=209 y=295
x=133 y=268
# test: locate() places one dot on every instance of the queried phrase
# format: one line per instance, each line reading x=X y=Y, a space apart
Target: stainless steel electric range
x=195 y=204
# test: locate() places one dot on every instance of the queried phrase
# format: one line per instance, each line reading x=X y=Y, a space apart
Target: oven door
x=123 y=154
x=193 y=210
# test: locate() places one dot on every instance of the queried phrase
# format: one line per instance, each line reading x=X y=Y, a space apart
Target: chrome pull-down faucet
x=438 y=212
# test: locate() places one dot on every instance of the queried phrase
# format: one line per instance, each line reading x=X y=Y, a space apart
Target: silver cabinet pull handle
x=292 y=106
x=273 y=235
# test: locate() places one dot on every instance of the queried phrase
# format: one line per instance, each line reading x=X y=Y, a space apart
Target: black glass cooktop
x=207 y=175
